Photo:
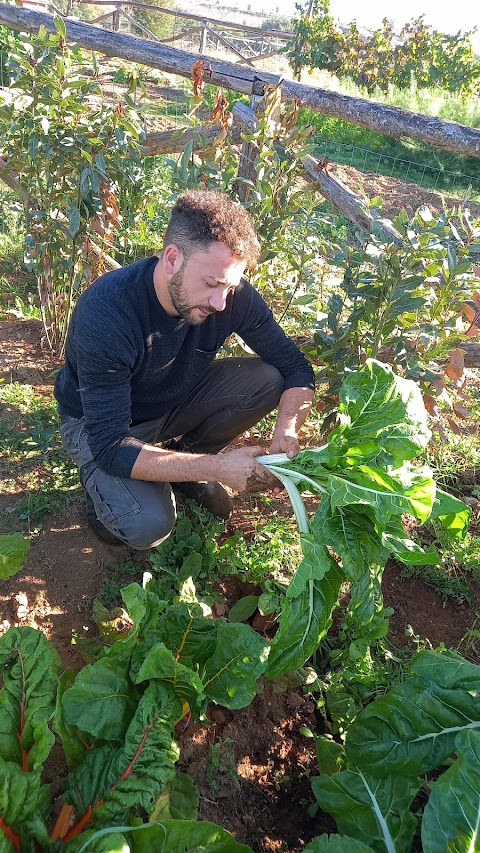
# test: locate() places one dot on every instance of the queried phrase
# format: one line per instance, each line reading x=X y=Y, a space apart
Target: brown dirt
x=262 y=788
x=396 y=194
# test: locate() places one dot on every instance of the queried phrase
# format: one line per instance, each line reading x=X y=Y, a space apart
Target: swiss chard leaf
x=382 y=413
x=179 y=801
x=27 y=700
x=412 y=729
x=373 y=811
x=452 y=513
x=240 y=658
x=24 y=806
x=184 y=836
x=304 y=622
x=383 y=493
x=13 y=552
x=100 y=701
x=451 y=820
x=336 y=844
x=161 y=663
x=110 y=781
x=73 y=746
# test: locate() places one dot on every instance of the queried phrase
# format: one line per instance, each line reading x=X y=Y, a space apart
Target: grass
x=45 y=479
x=406 y=159
x=222 y=767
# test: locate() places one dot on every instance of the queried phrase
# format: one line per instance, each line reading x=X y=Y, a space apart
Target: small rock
x=22 y=606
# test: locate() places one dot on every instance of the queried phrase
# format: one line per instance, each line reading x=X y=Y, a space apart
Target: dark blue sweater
x=127 y=361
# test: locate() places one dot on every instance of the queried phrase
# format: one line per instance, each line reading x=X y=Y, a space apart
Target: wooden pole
x=203 y=38
x=448 y=135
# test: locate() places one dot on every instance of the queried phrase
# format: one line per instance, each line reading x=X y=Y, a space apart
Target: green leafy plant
x=116 y=721
x=404 y=301
x=68 y=155
x=367 y=480
x=369 y=785
x=418 y=55
x=13 y=553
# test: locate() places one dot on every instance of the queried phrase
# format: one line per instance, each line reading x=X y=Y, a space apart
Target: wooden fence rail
x=448 y=135
x=220 y=31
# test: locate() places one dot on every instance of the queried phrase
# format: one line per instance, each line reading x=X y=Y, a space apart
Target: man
x=140 y=371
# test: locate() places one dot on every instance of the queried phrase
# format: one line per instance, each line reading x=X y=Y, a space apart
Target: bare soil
x=252 y=766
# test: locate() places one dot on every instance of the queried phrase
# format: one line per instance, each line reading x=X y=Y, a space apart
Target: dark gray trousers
x=234 y=394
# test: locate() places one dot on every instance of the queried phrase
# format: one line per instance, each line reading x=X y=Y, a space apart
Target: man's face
x=202 y=284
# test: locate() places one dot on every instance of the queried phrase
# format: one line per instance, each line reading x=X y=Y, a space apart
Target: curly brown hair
x=201 y=217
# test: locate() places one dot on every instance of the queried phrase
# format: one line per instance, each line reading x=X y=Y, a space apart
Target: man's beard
x=182 y=307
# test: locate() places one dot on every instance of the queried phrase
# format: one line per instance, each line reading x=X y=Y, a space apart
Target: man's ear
x=172 y=257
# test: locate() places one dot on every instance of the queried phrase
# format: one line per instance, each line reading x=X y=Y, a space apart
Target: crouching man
x=143 y=401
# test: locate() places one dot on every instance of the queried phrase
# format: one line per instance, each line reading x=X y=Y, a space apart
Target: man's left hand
x=288 y=444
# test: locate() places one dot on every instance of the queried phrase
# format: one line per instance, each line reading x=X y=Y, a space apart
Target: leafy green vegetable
x=336 y=844
x=183 y=836
x=367 y=481
x=243 y=609
x=304 y=620
x=24 y=806
x=179 y=800
x=414 y=728
x=30 y=667
x=451 y=819
x=13 y=551
x=374 y=811
x=116 y=719
x=112 y=779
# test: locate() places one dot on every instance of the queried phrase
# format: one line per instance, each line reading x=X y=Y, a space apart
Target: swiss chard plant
x=368 y=785
x=116 y=720
x=367 y=478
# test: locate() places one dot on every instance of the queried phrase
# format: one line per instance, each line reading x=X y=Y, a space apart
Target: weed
x=119 y=575
x=268 y=555
x=467 y=646
x=191 y=551
x=29 y=438
x=459 y=566
x=221 y=768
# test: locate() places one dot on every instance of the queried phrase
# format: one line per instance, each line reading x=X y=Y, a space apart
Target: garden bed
x=252 y=766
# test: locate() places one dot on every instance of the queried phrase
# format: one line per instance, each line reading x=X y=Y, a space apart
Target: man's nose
x=218 y=299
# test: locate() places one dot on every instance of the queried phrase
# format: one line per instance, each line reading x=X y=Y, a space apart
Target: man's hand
x=287 y=443
x=293 y=408
x=239 y=470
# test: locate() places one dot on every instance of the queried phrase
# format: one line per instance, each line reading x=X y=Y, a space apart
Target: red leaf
x=472 y=332
x=430 y=405
x=457 y=360
x=461 y=411
x=438 y=386
x=452 y=373
x=469 y=312
x=476 y=298
x=454 y=426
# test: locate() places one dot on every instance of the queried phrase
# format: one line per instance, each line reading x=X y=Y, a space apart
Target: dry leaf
x=454 y=426
x=457 y=360
x=438 y=386
x=469 y=311
x=461 y=411
x=430 y=404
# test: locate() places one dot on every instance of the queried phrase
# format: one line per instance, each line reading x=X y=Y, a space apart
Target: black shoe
x=211 y=496
x=98 y=528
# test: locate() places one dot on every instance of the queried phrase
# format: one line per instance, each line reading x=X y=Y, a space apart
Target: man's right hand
x=240 y=470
